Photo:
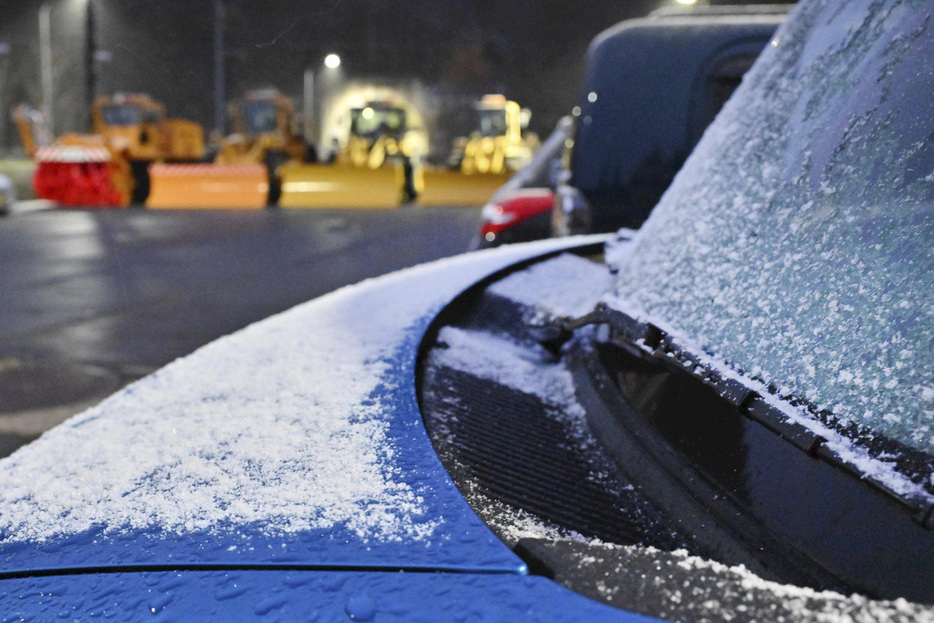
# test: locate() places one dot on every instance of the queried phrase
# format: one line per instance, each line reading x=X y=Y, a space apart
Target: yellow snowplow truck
x=499 y=143
x=267 y=134
x=109 y=167
x=265 y=121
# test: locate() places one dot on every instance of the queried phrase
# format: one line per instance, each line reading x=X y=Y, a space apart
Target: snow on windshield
x=797 y=240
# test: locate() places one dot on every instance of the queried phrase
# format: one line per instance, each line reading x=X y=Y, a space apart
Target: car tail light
x=514 y=208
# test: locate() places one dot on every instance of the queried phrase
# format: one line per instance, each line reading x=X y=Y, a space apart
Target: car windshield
x=796 y=241
x=126 y=114
x=260 y=117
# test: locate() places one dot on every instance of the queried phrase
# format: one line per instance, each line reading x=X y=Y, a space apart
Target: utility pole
x=4 y=79
x=91 y=55
x=220 y=97
x=309 y=114
x=45 y=64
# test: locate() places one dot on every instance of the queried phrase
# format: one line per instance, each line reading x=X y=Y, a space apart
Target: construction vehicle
x=267 y=134
x=136 y=126
x=499 y=142
x=376 y=168
x=377 y=133
x=108 y=167
x=75 y=169
x=264 y=123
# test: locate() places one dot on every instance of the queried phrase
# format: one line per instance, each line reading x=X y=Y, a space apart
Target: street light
x=311 y=97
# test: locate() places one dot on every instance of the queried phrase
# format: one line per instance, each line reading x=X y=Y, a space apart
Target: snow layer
x=567 y=285
x=281 y=423
x=796 y=241
x=508 y=363
x=528 y=369
x=690 y=588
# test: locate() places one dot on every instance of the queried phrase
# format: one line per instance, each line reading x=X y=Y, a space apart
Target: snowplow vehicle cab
x=265 y=127
x=137 y=123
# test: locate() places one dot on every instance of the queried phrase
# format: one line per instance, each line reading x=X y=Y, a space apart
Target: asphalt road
x=92 y=300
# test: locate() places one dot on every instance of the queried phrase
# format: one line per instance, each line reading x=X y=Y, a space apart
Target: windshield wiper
x=763 y=409
x=741 y=468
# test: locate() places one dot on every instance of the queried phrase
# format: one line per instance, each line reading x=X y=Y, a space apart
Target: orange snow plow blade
x=441 y=187
x=232 y=187
x=340 y=186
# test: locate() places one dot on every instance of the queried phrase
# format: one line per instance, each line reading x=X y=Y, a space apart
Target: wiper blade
x=764 y=409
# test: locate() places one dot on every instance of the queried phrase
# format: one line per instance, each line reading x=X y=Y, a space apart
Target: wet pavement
x=92 y=300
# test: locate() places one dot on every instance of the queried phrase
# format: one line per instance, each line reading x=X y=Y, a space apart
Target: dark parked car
x=663 y=79
x=727 y=417
x=653 y=85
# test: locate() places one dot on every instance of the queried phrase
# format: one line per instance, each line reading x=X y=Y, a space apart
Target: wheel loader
x=109 y=166
x=136 y=124
x=375 y=169
x=377 y=133
x=481 y=163
x=267 y=134
x=499 y=142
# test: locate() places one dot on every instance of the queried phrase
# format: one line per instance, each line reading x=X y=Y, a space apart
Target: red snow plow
x=82 y=175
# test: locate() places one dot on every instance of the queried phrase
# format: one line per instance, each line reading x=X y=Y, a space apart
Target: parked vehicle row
x=135 y=155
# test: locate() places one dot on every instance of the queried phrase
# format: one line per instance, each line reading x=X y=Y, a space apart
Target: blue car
x=727 y=416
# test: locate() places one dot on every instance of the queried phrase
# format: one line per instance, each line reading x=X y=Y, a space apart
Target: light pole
x=4 y=79
x=91 y=50
x=220 y=97
x=309 y=109
x=45 y=64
